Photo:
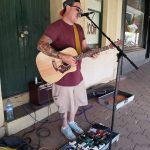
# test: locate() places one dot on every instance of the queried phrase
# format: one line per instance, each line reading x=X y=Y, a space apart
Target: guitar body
x=52 y=69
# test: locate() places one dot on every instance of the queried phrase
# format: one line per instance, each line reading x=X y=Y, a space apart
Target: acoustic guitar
x=53 y=69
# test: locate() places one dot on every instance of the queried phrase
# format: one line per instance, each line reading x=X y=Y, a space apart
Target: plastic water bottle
x=36 y=80
x=9 y=110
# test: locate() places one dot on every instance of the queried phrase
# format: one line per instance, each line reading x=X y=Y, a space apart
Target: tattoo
x=87 y=49
x=45 y=47
x=62 y=116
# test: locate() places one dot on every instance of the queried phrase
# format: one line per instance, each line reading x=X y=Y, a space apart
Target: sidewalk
x=131 y=121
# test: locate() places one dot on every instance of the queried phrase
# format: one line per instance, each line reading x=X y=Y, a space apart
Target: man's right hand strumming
x=68 y=59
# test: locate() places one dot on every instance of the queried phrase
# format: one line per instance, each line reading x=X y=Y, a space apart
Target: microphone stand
x=119 y=56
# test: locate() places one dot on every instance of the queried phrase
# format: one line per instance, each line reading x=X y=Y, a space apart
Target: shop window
x=93 y=36
x=134 y=24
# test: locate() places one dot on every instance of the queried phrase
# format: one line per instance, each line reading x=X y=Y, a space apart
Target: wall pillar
x=112 y=16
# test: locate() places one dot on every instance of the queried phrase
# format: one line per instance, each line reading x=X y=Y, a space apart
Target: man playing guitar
x=69 y=92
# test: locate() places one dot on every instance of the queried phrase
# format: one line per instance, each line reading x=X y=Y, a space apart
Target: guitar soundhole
x=62 y=68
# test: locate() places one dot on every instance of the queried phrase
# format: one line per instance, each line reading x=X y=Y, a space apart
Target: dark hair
x=70 y=2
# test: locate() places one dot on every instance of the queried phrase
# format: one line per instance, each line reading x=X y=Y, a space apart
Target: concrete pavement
x=131 y=121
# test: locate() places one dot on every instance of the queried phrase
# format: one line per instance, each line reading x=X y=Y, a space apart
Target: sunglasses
x=78 y=9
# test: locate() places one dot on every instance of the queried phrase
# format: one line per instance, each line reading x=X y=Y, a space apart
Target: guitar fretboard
x=90 y=53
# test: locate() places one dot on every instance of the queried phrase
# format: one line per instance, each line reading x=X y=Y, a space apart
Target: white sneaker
x=68 y=133
x=73 y=125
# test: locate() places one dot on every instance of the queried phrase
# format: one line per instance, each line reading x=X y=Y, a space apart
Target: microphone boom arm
x=117 y=47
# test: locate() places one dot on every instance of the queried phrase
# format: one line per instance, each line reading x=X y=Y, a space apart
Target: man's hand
x=95 y=55
x=68 y=59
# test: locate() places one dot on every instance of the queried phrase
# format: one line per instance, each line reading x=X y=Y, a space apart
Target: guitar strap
x=77 y=40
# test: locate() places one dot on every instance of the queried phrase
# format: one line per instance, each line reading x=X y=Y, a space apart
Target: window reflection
x=134 y=26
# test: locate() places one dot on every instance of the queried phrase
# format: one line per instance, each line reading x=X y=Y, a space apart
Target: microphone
x=86 y=14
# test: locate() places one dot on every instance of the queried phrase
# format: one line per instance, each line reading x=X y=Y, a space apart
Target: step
x=28 y=114
x=137 y=57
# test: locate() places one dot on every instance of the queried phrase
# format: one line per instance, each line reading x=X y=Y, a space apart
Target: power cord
x=43 y=132
x=40 y=131
x=84 y=112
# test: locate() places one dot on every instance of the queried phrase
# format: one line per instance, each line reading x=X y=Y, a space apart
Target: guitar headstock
x=118 y=43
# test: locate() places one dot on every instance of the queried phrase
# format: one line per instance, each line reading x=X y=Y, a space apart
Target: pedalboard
x=98 y=137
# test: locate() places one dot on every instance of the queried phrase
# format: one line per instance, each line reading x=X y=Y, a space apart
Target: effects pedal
x=98 y=137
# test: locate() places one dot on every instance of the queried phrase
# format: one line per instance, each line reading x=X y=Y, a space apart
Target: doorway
x=21 y=24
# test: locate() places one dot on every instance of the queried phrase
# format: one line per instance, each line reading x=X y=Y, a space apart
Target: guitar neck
x=90 y=53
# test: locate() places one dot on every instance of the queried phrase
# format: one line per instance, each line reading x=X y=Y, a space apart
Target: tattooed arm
x=86 y=48
x=45 y=47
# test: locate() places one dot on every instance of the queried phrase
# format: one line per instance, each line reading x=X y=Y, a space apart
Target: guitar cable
x=40 y=131
x=43 y=132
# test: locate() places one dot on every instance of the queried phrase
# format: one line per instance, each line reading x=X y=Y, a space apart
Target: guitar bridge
x=62 y=68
